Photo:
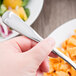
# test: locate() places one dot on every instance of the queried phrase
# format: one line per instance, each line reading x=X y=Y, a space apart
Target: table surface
x=54 y=13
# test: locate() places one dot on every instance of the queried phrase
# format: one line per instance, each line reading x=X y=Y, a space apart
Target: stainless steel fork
x=13 y=21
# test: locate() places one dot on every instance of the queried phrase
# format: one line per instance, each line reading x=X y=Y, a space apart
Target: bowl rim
x=59 y=34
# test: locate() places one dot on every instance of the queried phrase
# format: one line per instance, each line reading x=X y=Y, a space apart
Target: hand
x=23 y=57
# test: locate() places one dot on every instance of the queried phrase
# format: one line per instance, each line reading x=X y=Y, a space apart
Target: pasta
x=58 y=67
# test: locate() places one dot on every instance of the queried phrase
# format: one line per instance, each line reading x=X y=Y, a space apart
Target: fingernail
x=51 y=41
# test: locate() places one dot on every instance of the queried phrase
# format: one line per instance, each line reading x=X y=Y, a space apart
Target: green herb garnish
x=1 y=1
x=25 y=2
x=2 y=9
x=27 y=12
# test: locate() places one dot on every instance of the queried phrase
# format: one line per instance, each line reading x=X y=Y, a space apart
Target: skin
x=21 y=56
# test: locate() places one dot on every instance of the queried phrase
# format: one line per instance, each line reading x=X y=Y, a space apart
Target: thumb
x=41 y=50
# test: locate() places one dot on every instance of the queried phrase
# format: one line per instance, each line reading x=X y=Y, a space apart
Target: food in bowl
x=16 y=6
x=58 y=67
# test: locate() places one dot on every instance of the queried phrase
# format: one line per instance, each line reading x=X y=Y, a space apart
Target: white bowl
x=35 y=7
x=63 y=32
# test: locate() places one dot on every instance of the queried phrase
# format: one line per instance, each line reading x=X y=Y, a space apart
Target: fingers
x=45 y=64
x=44 y=67
x=53 y=55
x=39 y=73
x=24 y=43
x=41 y=51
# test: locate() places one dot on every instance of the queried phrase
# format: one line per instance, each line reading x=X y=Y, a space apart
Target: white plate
x=63 y=32
x=35 y=7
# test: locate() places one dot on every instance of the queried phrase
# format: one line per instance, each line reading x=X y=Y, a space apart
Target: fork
x=17 y=24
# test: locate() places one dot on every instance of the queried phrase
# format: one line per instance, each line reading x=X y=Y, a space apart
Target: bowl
x=63 y=32
x=35 y=7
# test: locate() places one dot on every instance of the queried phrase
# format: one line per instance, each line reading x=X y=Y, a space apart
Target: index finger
x=24 y=43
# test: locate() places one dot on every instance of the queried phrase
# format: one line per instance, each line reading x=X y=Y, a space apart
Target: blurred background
x=54 y=13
